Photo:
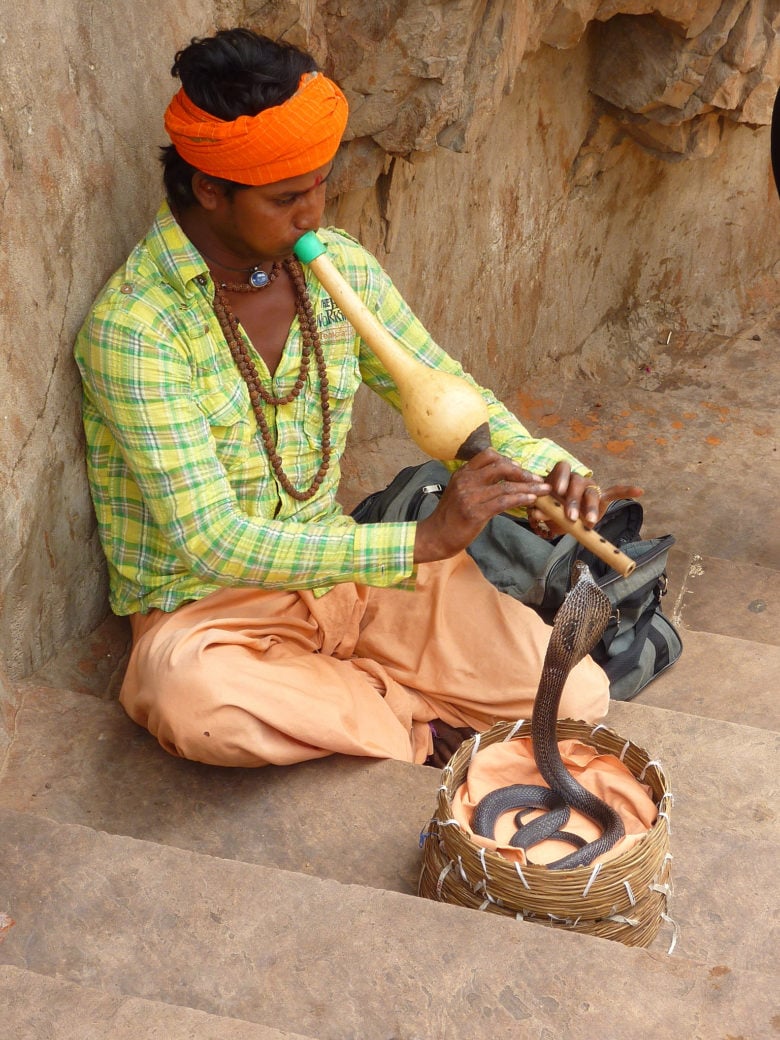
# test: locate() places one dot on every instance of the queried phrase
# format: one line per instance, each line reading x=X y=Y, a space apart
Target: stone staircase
x=165 y=898
x=146 y=897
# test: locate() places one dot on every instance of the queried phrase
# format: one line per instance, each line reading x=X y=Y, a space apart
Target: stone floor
x=142 y=896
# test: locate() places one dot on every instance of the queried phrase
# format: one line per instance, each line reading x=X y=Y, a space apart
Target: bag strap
x=624 y=663
x=639 y=629
x=663 y=657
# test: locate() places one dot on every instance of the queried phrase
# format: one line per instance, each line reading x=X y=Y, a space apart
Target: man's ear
x=208 y=193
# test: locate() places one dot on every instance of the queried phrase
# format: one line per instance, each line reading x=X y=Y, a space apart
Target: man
x=219 y=380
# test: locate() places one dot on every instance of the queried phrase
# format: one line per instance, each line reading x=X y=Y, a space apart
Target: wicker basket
x=624 y=898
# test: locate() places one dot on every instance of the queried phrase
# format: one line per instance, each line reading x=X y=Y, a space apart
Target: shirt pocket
x=225 y=406
x=343 y=372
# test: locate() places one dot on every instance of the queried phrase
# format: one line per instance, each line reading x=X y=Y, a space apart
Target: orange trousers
x=247 y=677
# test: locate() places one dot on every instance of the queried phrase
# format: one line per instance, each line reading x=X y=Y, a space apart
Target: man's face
x=265 y=222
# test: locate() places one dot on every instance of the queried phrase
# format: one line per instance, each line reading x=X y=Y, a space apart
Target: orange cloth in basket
x=512 y=762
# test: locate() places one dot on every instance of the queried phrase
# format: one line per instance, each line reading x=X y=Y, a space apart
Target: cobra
x=577 y=627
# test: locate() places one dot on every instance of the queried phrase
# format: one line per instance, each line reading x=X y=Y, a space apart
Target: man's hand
x=580 y=496
x=487 y=485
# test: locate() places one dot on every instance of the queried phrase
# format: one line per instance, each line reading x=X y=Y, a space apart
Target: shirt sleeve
x=137 y=378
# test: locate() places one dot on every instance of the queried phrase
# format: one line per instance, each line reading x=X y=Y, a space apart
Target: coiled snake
x=577 y=627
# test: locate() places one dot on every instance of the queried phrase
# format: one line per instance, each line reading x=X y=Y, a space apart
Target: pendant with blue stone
x=258 y=278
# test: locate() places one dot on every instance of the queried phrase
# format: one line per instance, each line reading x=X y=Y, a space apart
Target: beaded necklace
x=257 y=278
x=310 y=341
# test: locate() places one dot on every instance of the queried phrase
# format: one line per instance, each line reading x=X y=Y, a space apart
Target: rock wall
x=547 y=182
x=83 y=88
x=562 y=182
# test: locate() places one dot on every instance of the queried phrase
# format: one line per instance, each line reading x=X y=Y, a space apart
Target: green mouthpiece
x=308 y=247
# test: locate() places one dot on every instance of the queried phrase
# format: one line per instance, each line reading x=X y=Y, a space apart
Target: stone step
x=721 y=677
x=38 y=1007
x=708 y=594
x=78 y=760
x=319 y=958
x=94 y=663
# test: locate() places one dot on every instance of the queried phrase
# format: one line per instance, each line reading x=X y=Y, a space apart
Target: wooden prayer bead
x=310 y=341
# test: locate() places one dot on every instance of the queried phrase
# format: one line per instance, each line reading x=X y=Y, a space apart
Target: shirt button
x=126 y=288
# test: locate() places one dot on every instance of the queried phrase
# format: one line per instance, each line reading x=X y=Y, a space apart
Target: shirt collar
x=173 y=253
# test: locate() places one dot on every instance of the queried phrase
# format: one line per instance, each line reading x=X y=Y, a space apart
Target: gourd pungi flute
x=444 y=414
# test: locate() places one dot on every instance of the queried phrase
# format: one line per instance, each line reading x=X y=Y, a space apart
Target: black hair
x=236 y=72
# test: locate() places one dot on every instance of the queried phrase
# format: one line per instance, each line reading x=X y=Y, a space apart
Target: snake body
x=577 y=627
x=525 y=797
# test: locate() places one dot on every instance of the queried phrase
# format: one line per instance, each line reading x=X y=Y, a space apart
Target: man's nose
x=309 y=209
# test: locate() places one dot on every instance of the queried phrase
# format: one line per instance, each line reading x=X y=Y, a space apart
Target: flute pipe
x=439 y=409
x=553 y=509
x=443 y=413
x=602 y=549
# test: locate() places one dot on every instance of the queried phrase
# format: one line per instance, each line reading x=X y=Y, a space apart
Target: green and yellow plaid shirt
x=185 y=498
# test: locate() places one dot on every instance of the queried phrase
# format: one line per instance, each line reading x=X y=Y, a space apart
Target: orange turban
x=298 y=136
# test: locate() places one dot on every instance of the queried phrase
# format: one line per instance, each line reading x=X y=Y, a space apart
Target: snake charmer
x=219 y=380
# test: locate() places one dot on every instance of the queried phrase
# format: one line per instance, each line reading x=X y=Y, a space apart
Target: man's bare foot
x=446 y=741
